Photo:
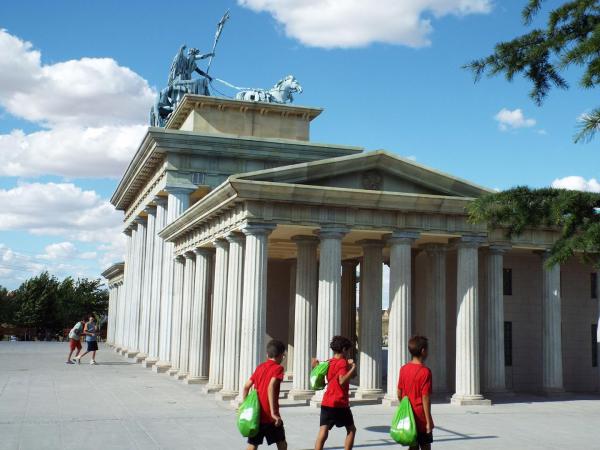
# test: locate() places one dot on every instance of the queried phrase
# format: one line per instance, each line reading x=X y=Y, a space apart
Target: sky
x=77 y=80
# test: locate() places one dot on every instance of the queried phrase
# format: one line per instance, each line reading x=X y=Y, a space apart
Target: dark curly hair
x=275 y=348
x=340 y=343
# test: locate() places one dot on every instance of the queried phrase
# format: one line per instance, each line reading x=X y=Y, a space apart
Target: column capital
x=235 y=237
x=178 y=258
x=350 y=262
x=402 y=237
x=254 y=229
x=189 y=254
x=221 y=243
x=204 y=251
x=150 y=209
x=371 y=243
x=179 y=190
x=127 y=231
x=332 y=231
x=469 y=241
x=140 y=220
x=160 y=200
x=498 y=248
x=304 y=240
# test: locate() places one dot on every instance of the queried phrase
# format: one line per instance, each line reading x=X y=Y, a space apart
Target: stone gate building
x=240 y=229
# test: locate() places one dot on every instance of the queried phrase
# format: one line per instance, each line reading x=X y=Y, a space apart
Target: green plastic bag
x=404 y=428
x=317 y=376
x=248 y=420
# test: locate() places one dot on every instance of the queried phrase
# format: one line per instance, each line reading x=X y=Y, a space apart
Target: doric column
x=254 y=307
x=552 y=370
x=139 y=258
x=127 y=325
x=399 y=327
x=146 y=280
x=178 y=280
x=371 y=278
x=200 y=338
x=436 y=315
x=156 y=283
x=233 y=317
x=494 y=373
x=219 y=304
x=305 y=315
x=122 y=320
x=178 y=201
x=349 y=298
x=111 y=302
x=289 y=369
x=468 y=390
x=186 y=313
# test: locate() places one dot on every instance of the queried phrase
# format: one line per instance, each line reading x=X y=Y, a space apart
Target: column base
x=226 y=396
x=289 y=376
x=149 y=362
x=141 y=357
x=390 y=400
x=470 y=400
x=301 y=395
x=131 y=353
x=161 y=367
x=368 y=394
x=553 y=391
x=173 y=371
x=212 y=388
x=196 y=380
x=181 y=375
x=123 y=351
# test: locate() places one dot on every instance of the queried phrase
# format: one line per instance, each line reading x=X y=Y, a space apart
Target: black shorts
x=269 y=431
x=424 y=438
x=339 y=417
x=92 y=346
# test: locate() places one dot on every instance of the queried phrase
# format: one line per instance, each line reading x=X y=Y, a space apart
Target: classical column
x=371 y=278
x=178 y=201
x=156 y=283
x=254 y=306
x=436 y=315
x=139 y=258
x=399 y=327
x=494 y=372
x=349 y=298
x=111 y=302
x=233 y=317
x=186 y=313
x=552 y=370
x=305 y=314
x=200 y=338
x=121 y=341
x=468 y=391
x=178 y=281
x=289 y=369
x=146 y=280
x=127 y=327
x=217 y=336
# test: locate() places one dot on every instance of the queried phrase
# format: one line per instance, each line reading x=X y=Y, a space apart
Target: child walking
x=335 y=408
x=415 y=382
x=267 y=380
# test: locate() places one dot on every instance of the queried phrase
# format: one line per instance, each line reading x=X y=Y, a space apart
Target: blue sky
x=383 y=89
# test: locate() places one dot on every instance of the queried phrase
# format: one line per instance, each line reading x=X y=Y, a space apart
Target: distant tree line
x=43 y=306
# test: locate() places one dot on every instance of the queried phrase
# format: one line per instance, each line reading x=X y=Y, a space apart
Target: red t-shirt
x=336 y=395
x=261 y=379
x=415 y=382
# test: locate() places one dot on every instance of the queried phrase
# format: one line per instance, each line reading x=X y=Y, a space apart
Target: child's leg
x=425 y=446
x=251 y=447
x=282 y=445
x=322 y=437
x=94 y=355
x=350 y=434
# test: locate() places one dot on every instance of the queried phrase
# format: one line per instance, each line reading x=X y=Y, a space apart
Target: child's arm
x=314 y=363
x=399 y=394
x=427 y=411
x=274 y=400
x=343 y=379
x=247 y=387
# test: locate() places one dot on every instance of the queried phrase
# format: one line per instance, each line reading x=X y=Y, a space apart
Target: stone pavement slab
x=46 y=404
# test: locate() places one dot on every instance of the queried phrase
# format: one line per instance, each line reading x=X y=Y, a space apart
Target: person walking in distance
x=75 y=340
x=90 y=332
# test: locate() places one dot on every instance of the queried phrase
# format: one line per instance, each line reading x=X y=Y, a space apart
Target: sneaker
x=93 y=362
x=69 y=362
x=78 y=359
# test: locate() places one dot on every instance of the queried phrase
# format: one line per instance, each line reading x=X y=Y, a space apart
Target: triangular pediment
x=376 y=171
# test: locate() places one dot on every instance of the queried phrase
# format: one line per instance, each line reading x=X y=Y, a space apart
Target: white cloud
x=358 y=23
x=508 y=119
x=576 y=183
x=59 y=250
x=84 y=92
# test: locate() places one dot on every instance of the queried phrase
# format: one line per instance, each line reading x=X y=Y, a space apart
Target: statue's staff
x=220 y=26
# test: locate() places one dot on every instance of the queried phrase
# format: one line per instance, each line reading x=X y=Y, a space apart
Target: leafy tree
x=571 y=37
x=7 y=306
x=37 y=299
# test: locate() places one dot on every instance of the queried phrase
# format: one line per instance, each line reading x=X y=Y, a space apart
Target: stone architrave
x=146 y=293
x=370 y=337
x=178 y=283
x=305 y=315
x=200 y=337
x=399 y=328
x=186 y=313
x=436 y=315
x=254 y=306
x=552 y=369
x=289 y=369
x=468 y=387
x=233 y=317
x=494 y=373
x=219 y=304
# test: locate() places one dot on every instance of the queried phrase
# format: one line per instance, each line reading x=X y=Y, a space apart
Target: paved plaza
x=46 y=404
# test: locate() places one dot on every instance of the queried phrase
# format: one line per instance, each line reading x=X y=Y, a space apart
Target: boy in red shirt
x=415 y=382
x=267 y=380
x=335 y=407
